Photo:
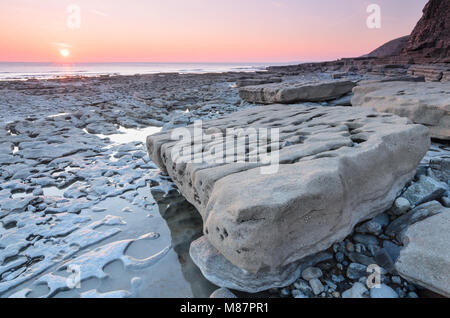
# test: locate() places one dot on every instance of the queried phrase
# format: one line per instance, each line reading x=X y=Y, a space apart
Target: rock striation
x=338 y=166
x=293 y=92
x=424 y=103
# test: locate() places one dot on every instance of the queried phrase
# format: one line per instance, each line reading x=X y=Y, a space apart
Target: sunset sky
x=198 y=30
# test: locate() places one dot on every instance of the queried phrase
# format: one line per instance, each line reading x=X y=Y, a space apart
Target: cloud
x=62 y=45
x=100 y=13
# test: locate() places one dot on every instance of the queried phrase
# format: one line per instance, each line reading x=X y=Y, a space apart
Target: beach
x=74 y=160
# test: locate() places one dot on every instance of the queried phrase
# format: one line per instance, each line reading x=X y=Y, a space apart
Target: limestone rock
x=218 y=270
x=292 y=92
x=426 y=259
x=426 y=189
x=342 y=166
x=398 y=227
x=258 y=81
x=223 y=293
x=424 y=103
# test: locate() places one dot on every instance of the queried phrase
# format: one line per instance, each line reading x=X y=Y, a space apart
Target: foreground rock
x=423 y=103
x=426 y=260
x=217 y=269
x=292 y=92
x=338 y=166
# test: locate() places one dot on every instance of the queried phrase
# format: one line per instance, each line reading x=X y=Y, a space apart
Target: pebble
x=401 y=206
x=396 y=280
x=356 y=271
x=311 y=273
x=357 y=291
x=383 y=291
x=316 y=286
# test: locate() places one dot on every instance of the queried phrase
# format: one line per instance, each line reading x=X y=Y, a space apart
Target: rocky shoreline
x=92 y=193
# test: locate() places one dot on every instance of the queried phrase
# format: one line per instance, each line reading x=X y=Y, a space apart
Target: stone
x=223 y=293
x=425 y=259
x=365 y=239
x=399 y=226
x=424 y=103
x=316 y=286
x=356 y=271
x=383 y=291
x=347 y=165
x=293 y=92
x=426 y=189
x=441 y=168
x=401 y=206
x=218 y=270
x=258 y=81
x=311 y=273
x=357 y=291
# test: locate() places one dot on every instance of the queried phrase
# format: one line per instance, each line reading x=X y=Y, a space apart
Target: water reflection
x=185 y=225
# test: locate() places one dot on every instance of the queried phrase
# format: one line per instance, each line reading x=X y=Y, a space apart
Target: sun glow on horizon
x=197 y=30
x=64 y=52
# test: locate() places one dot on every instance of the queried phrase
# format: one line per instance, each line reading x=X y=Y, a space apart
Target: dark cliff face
x=431 y=36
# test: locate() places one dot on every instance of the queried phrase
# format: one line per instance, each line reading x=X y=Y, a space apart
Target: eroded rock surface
x=338 y=166
x=424 y=103
x=292 y=92
x=425 y=259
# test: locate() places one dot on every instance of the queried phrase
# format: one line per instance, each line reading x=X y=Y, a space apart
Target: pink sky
x=199 y=30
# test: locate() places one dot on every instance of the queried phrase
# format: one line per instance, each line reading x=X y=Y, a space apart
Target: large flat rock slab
x=337 y=167
x=426 y=258
x=293 y=92
x=424 y=103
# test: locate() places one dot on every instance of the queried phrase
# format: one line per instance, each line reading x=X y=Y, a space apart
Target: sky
x=197 y=30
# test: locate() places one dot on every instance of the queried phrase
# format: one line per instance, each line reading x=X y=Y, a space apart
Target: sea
x=27 y=70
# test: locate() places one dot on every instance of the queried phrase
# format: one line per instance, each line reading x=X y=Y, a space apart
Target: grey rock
x=365 y=239
x=362 y=181
x=316 y=286
x=292 y=92
x=401 y=206
x=311 y=273
x=356 y=271
x=424 y=190
x=383 y=291
x=425 y=260
x=223 y=273
x=223 y=293
x=397 y=228
x=361 y=259
x=423 y=103
x=358 y=290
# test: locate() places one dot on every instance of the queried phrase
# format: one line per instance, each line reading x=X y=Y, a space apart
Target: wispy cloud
x=62 y=45
x=100 y=13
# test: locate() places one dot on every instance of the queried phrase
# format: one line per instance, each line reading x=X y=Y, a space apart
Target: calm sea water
x=11 y=71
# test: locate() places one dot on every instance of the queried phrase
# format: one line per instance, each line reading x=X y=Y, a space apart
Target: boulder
x=221 y=272
x=426 y=189
x=398 y=228
x=293 y=92
x=258 y=81
x=425 y=260
x=335 y=168
x=424 y=103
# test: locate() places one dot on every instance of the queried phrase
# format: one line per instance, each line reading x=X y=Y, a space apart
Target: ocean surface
x=23 y=71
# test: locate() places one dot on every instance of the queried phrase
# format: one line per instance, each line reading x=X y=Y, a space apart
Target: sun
x=64 y=52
